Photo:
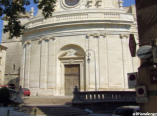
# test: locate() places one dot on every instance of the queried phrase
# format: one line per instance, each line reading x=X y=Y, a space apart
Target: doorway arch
x=72 y=66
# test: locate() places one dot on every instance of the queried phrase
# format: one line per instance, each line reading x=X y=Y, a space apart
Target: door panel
x=72 y=78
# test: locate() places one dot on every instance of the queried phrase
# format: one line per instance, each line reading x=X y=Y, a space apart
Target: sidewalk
x=47 y=101
x=51 y=106
x=11 y=111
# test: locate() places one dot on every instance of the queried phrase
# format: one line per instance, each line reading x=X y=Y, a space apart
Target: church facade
x=85 y=44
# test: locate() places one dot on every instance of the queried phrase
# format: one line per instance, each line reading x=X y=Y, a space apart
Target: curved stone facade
x=90 y=34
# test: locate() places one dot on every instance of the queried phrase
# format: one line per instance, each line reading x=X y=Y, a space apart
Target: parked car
x=126 y=110
x=26 y=91
x=1 y=86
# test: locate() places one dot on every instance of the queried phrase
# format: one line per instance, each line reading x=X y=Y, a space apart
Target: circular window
x=71 y=2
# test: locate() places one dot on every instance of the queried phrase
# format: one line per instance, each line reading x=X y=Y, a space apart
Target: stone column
x=44 y=62
x=62 y=80
x=93 y=61
x=82 y=81
x=22 y=70
x=127 y=59
x=97 y=61
x=27 y=64
x=51 y=84
x=35 y=64
x=87 y=63
x=107 y=61
x=103 y=62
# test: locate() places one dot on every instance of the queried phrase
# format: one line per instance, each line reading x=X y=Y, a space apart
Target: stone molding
x=96 y=35
x=81 y=16
x=45 y=38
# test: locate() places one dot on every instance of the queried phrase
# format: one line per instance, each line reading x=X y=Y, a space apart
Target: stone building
x=84 y=44
x=2 y=63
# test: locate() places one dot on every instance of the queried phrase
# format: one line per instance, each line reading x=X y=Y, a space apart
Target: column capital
x=27 y=42
x=52 y=38
x=103 y=34
x=88 y=35
x=97 y=35
x=40 y=40
x=45 y=38
x=124 y=36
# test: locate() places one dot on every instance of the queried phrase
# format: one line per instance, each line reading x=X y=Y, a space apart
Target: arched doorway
x=72 y=66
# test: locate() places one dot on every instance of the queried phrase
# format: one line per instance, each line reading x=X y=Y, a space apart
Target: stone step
x=47 y=100
x=50 y=106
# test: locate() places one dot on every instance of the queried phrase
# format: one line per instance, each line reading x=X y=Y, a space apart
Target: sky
x=126 y=3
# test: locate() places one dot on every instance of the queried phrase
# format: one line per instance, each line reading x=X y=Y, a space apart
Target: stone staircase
x=37 y=101
x=50 y=106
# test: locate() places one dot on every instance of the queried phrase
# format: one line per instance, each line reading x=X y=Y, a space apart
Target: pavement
x=47 y=106
x=47 y=100
x=50 y=106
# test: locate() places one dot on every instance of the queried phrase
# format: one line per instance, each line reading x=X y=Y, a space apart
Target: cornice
x=80 y=17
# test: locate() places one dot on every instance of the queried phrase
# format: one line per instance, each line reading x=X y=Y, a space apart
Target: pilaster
x=103 y=62
x=27 y=64
x=87 y=63
x=44 y=63
x=51 y=84
x=126 y=58
x=22 y=70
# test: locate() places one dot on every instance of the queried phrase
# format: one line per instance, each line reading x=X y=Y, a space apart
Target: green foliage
x=11 y=10
x=47 y=7
x=4 y=96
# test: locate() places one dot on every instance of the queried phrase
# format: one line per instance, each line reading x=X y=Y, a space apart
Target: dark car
x=26 y=91
x=12 y=86
x=126 y=110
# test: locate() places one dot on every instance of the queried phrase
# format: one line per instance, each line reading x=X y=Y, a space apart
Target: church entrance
x=72 y=78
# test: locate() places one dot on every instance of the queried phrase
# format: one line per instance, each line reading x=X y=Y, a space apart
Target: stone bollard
x=35 y=112
x=8 y=112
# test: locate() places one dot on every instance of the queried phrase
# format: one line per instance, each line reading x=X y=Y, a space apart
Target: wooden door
x=72 y=78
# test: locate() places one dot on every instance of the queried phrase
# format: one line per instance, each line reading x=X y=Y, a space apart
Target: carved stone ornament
x=28 y=42
x=71 y=53
x=124 y=36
